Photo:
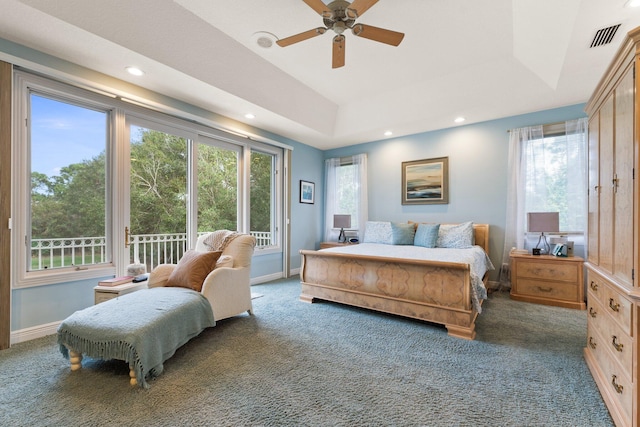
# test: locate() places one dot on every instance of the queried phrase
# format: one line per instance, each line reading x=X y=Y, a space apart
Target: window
x=68 y=184
x=262 y=206
x=218 y=177
x=346 y=193
x=547 y=172
x=555 y=165
x=100 y=183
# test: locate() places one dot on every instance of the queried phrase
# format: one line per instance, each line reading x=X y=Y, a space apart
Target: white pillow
x=455 y=236
x=378 y=232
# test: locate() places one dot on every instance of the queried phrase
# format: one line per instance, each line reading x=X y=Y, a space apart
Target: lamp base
x=546 y=249
x=342 y=238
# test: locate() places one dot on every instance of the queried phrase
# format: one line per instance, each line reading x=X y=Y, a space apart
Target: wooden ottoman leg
x=132 y=376
x=76 y=360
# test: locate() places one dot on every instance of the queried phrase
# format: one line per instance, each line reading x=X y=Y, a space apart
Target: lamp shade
x=543 y=222
x=341 y=221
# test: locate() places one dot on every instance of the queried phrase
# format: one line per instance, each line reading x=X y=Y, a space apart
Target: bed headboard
x=481 y=232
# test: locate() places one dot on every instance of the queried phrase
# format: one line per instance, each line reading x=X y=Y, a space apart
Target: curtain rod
x=547 y=124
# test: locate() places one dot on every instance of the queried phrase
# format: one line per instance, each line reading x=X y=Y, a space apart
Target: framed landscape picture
x=425 y=182
x=307 y=191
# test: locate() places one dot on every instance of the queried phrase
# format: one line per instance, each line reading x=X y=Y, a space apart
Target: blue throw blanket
x=143 y=328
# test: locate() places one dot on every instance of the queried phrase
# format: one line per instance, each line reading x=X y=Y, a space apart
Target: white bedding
x=475 y=256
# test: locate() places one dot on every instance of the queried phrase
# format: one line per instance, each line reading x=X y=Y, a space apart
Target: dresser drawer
x=610 y=336
x=619 y=308
x=555 y=290
x=595 y=286
x=547 y=270
x=617 y=383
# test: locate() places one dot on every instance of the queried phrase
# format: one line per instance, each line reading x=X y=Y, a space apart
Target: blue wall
x=477 y=172
x=477 y=175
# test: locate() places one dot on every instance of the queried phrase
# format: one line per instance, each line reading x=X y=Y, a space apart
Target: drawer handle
x=541 y=289
x=594 y=286
x=616 y=386
x=592 y=312
x=618 y=346
x=592 y=344
x=614 y=307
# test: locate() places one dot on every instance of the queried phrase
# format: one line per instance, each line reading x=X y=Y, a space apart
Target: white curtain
x=528 y=187
x=336 y=198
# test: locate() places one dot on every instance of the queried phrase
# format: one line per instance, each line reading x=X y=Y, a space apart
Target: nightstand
x=325 y=245
x=105 y=293
x=546 y=279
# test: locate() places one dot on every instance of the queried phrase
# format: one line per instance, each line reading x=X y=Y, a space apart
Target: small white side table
x=105 y=293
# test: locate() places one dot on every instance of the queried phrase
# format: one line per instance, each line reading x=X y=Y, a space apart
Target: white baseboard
x=267 y=278
x=34 y=332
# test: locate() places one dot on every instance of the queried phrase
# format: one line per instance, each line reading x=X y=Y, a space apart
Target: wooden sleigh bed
x=433 y=291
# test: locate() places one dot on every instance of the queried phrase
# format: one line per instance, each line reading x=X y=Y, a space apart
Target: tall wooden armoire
x=613 y=295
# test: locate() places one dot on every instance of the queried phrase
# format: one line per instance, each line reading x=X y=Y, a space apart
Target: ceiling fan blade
x=360 y=7
x=300 y=37
x=377 y=34
x=318 y=6
x=338 y=51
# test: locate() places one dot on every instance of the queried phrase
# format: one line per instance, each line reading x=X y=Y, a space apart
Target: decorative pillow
x=426 y=235
x=455 y=236
x=224 y=261
x=378 y=232
x=192 y=269
x=402 y=234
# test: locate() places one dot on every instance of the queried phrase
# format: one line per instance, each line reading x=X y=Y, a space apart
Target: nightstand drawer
x=556 y=290
x=555 y=271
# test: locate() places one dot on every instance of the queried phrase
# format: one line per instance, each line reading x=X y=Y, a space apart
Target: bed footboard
x=438 y=292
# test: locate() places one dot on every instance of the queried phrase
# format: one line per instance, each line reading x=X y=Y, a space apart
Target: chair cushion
x=192 y=269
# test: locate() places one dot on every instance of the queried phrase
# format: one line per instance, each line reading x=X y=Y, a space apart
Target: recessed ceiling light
x=459 y=119
x=632 y=3
x=134 y=71
x=388 y=133
x=250 y=116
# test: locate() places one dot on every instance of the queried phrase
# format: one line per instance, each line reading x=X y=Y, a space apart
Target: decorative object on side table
x=425 y=182
x=543 y=222
x=307 y=192
x=342 y=222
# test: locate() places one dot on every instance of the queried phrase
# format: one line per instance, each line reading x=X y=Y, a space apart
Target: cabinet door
x=594 y=190
x=622 y=180
x=605 y=226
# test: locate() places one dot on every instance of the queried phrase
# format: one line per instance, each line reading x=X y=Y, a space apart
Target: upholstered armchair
x=227 y=286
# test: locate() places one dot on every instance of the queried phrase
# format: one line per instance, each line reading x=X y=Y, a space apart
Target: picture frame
x=307 y=192
x=425 y=182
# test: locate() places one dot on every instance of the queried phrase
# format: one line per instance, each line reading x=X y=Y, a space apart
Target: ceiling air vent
x=604 y=36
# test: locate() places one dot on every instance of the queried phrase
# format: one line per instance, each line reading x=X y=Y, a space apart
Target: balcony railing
x=149 y=249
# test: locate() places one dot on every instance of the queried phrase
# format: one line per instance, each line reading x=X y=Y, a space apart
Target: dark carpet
x=325 y=364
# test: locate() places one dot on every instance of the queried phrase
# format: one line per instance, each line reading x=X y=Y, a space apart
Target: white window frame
x=122 y=113
x=25 y=84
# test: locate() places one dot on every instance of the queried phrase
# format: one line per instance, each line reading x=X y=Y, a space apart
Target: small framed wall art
x=307 y=192
x=425 y=182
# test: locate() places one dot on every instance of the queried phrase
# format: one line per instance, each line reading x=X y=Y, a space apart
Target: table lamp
x=342 y=222
x=543 y=222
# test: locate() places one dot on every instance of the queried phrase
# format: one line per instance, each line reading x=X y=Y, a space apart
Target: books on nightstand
x=116 y=281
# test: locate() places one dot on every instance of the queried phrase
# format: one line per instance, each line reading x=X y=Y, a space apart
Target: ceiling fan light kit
x=340 y=15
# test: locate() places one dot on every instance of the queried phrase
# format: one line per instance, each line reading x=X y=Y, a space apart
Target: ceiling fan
x=338 y=16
